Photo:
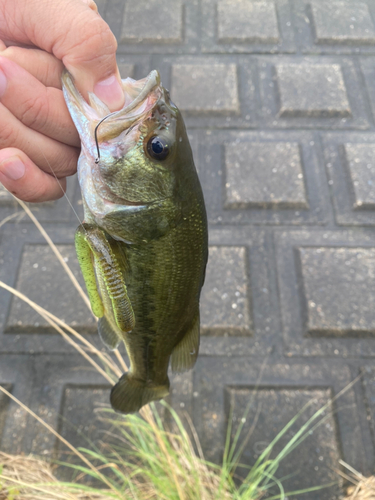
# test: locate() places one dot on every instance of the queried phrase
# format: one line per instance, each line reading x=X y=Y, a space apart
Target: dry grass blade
x=363 y=488
x=59 y=437
x=34 y=479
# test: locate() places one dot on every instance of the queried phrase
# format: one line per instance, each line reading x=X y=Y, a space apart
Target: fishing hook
x=96 y=135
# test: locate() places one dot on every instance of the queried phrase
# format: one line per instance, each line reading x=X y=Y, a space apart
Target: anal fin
x=185 y=353
x=108 y=334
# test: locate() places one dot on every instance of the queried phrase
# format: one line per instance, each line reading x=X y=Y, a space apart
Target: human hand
x=39 y=145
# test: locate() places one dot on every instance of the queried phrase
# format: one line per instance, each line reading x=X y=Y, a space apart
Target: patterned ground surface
x=278 y=97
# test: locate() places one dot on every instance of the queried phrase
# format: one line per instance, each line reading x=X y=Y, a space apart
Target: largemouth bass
x=143 y=244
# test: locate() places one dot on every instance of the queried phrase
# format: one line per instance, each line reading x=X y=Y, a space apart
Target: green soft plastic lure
x=143 y=245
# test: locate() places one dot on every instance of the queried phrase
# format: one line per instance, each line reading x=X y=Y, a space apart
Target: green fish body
x=143 y=244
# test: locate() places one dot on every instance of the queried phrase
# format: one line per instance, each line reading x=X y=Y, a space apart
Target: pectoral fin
x=185 y=353
x=93 y=239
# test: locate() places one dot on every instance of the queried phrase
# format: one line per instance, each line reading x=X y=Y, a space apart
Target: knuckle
x=8 y=134
x=71 y=164
x=34 y=112
x=66 y=164
x=98 y=42
x=43 y=191
x=46 y=192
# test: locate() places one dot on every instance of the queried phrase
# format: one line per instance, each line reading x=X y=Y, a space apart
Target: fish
x=143 y=243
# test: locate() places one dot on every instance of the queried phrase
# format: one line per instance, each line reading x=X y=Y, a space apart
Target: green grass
x=145 y=460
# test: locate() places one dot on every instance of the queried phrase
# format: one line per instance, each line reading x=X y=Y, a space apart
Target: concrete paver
x=225 y=297
x=143 y=18
x=202 y=89
x=340 y=22
x=316 y=90
x=247 y=22
x=338 y=290
x=275 y=173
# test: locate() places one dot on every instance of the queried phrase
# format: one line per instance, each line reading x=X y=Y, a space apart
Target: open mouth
x=140 y=98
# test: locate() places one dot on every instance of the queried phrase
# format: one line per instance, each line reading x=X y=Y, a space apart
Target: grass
x=142 y=458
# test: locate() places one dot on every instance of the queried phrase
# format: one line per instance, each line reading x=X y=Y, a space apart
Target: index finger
x=75 y=34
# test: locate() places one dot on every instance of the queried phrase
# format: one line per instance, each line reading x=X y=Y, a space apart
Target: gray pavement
x=279 y=101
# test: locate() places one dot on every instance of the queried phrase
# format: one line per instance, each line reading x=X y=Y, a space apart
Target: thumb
x=75 y=33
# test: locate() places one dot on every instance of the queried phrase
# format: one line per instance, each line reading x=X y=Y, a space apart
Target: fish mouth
x=140 y=97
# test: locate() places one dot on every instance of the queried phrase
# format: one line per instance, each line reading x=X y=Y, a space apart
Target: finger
x=43 y=66
x=25 y=180
x=36 y=106
x=50 y=155
x=75 y=34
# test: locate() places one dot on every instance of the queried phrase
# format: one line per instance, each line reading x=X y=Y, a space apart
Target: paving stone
x=243 y=254
x=244 y=21
x=271 y=409
x=42 y=279
x=273 y=394
x=240 y=26
x=326 y=292
x=206 y=88
x=360 y=158
x=82 y=422
x=266 y=177
x=264 y=174
x=348 y=159
x=212 y=92
x=156 y=21
x=336 y=27
x=339 y=290
x=225 y=295
x=342 y=22
x=312 y=90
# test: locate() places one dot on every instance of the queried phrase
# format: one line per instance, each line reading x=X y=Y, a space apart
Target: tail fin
x=130 y=394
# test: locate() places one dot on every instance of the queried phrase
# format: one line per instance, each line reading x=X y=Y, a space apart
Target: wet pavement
x=278 y=97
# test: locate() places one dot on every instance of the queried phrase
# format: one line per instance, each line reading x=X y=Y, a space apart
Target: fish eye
x=158 y=148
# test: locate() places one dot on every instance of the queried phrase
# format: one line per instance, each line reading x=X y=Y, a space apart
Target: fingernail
x=13 y=168
x=3 y=83
x=110 y=92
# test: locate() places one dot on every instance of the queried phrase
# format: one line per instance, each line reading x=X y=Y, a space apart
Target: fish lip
x=95 y=123
x=152 y=81
x=72 y=94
